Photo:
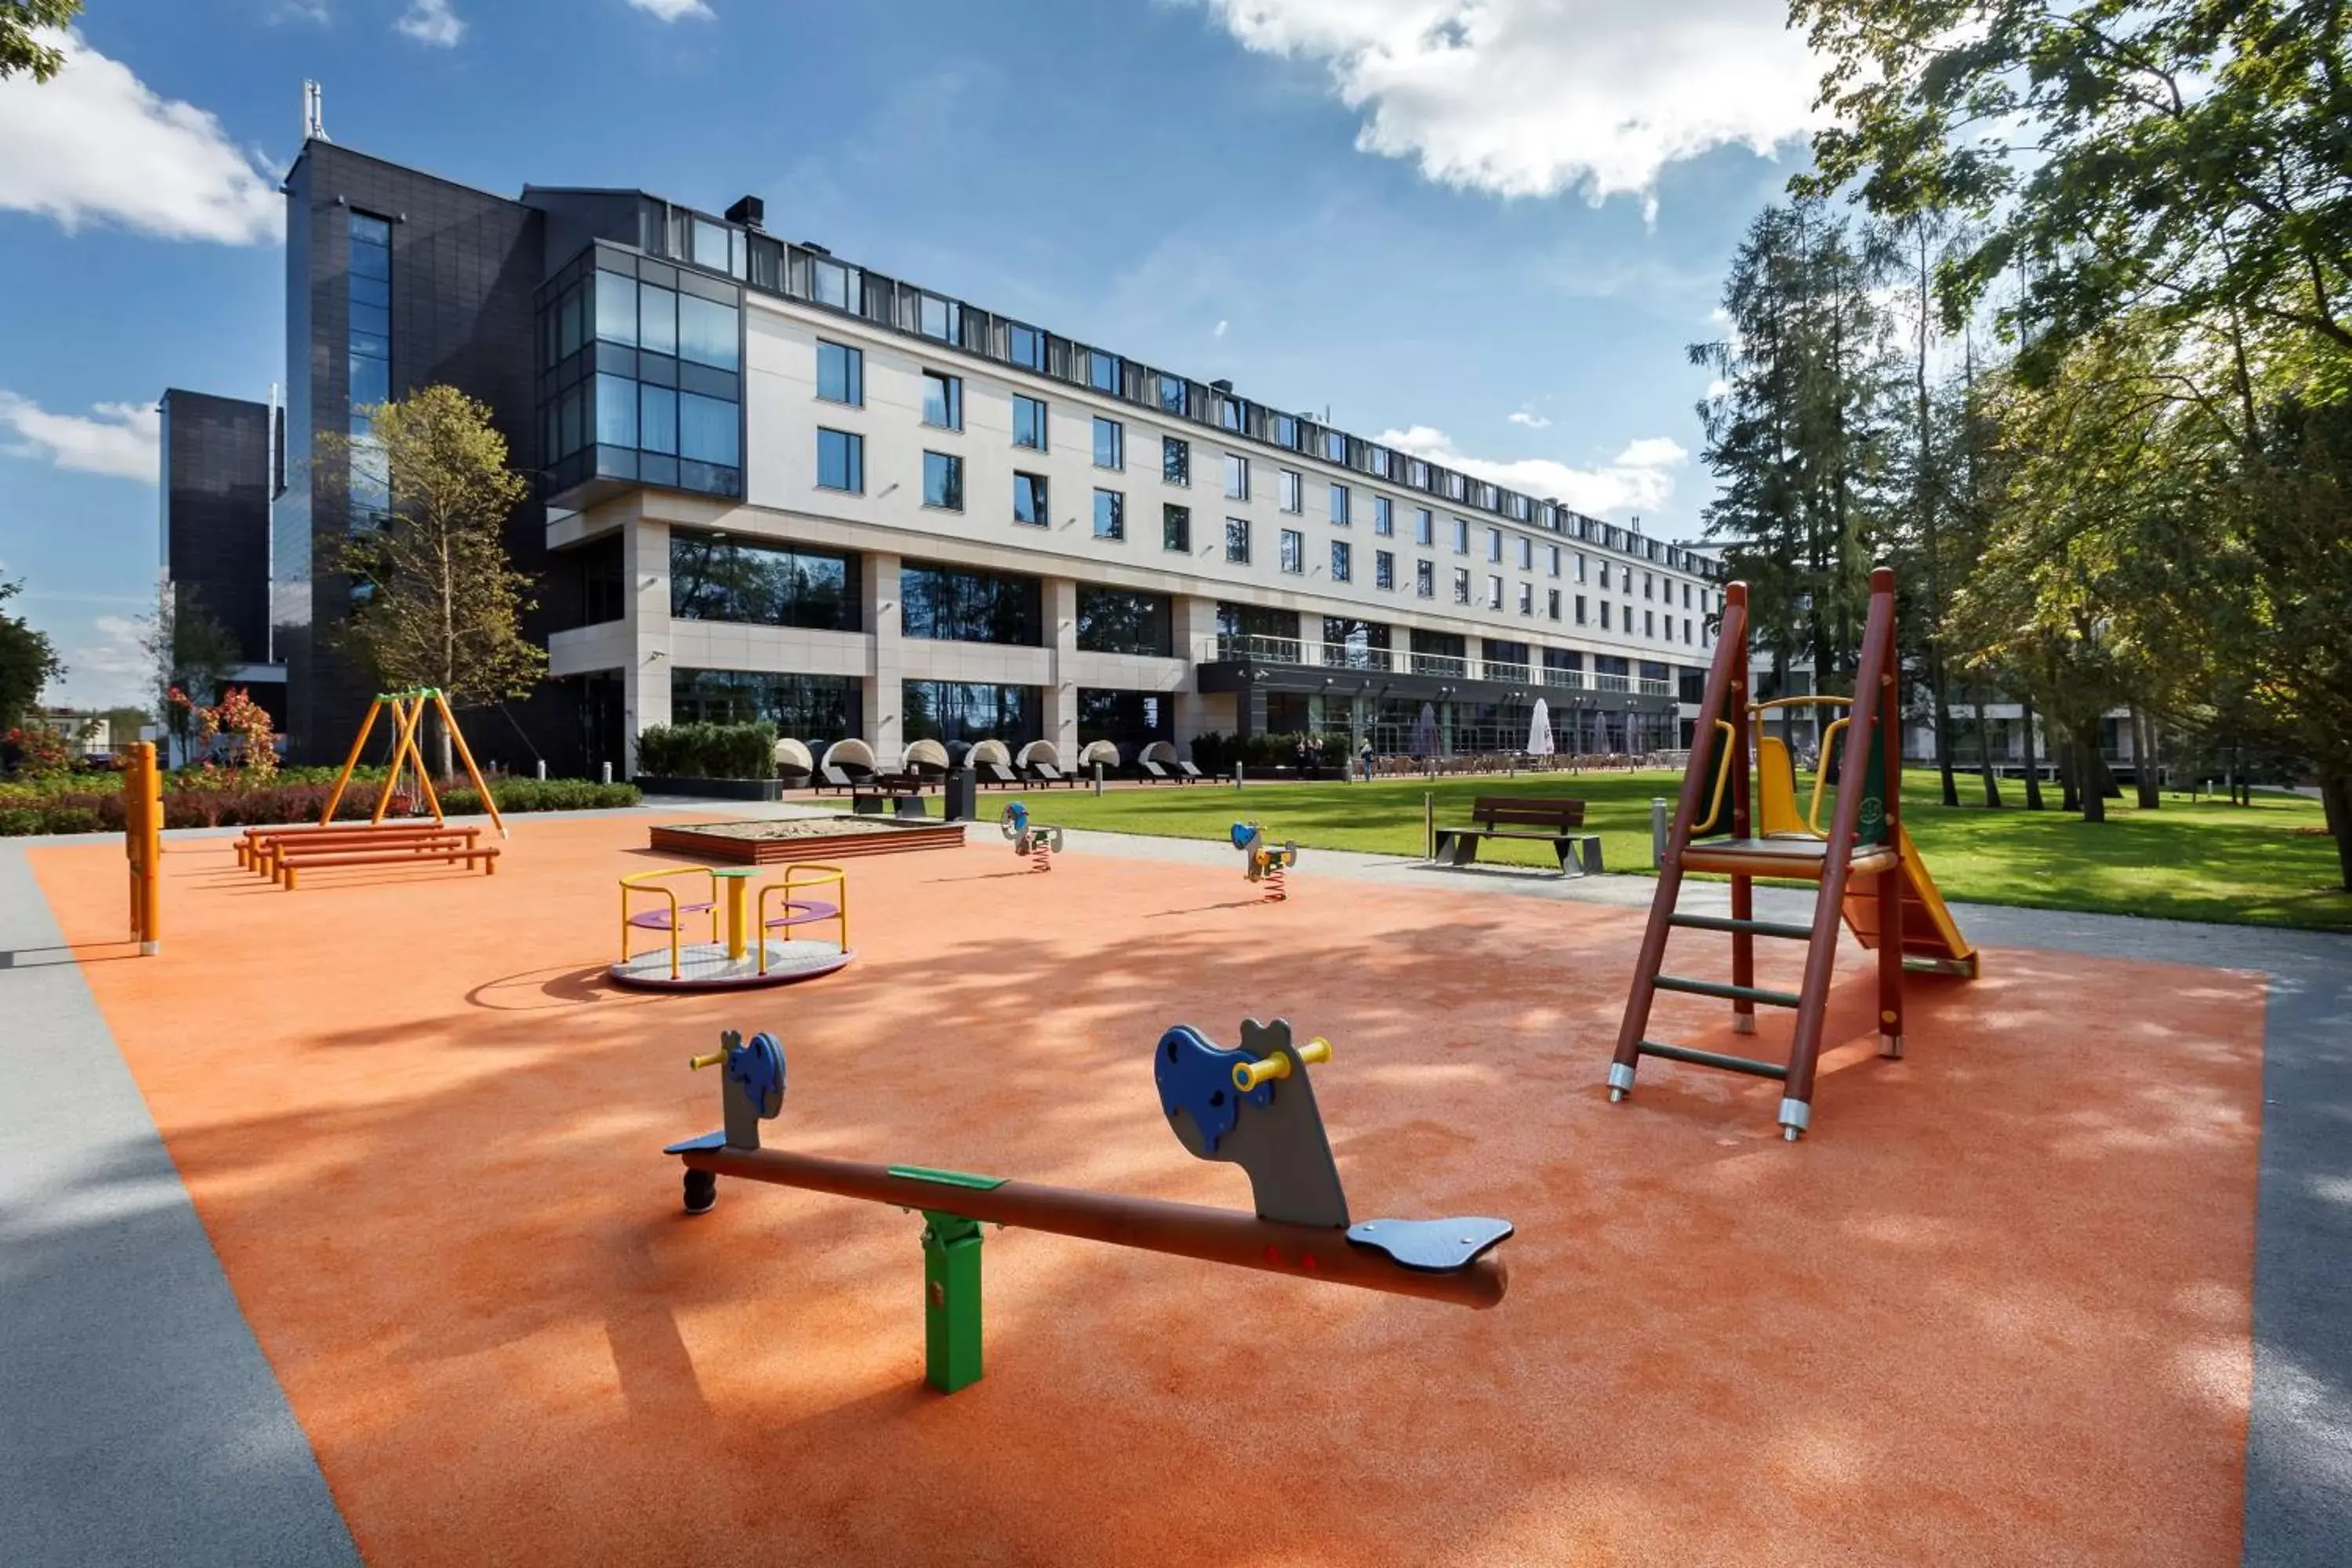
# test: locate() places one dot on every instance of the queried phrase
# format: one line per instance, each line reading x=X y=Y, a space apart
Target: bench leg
x=1592 y=857
x=1466 y=849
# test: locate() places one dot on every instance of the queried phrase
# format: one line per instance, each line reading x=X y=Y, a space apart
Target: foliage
x=28 y=661
x=40 y=751
x=441 y=603
x=1216 y=753
x=20 y=51
x=237 y=713
x=192 y=651
x=228 y=802
x=707 y=750
x=1797 y=436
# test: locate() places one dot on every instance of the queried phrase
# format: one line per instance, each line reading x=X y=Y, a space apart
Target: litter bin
x=962 y=795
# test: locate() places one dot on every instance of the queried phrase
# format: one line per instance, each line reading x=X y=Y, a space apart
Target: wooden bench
x=1545 y=819
x=889 y=803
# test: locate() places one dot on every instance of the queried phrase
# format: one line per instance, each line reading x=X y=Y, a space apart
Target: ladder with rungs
x=1864 y=850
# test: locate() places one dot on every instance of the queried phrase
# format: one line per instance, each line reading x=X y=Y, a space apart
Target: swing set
x=283 y=853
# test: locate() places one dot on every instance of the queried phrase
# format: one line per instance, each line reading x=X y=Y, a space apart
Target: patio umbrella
x=1425 y=732
x=1539 y=742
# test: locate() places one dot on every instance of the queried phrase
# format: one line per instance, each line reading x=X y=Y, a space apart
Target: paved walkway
x=144 y=1426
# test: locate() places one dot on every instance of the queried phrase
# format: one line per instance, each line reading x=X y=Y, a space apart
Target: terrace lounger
x=996 y=773
x=1048 y=774
x=1153 y=772
x=1188 y=772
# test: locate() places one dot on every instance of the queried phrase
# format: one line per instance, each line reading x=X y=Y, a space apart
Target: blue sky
x=1483 y=229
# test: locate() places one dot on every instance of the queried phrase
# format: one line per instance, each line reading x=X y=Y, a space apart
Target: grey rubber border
x=143 y=1425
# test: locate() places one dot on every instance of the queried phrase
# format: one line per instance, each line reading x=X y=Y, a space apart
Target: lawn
x=2260 y=865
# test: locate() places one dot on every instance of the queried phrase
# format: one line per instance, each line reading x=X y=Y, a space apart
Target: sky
x=1481 y=230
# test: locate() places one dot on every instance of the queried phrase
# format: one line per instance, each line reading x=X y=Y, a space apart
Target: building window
x=1526 y=553
x=1383 y=515
x=1102 y=371
x=1604 y=574
x=1579 y=566
x=1580 y=609
x=1551 y=603
x=1339 y=506
x=944 y=481
x=1293 y=490
x=369 y=363
x=1229 y=413
x=1029 y=423
x=1128 y=720
x=1175 y=460
x=707 y=333
x=1110 y=444
x=1335 y=446
x=1686 y=592
x=840 y=373
x=1462 y=584
x=617 y=411
x=942 y=400
x=1424 y=527
x=657 y=419
x=1025 y=346
x=1495 y=544
x=1171 y=394
x=1281 y=430
x=1526 y=598
x=1342 y=563
x=1461 y=536
x=1604 y=615
x=718 y=578
x=1294 y=551
x=843 y=288
x=817 y=708
x=1238 y=540
x=1110 y=515
x=1648 y=586
x=1555 y=559
x=1494 y=592
x=1176 y=528
x=968 y=710
x=1383 y=569
x=841 y=462
x=617 y=309
x=1649 y=623
x=709 y=430
x=940 y=319
x=1029 y=500
x=1236 y=477
x=952 y=604
x=1122 y=620
x=657 y=319
x=1424 y=579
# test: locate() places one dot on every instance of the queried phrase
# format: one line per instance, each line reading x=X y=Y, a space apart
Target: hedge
x=708 y=751
x=267 y=804
x=1217 y=753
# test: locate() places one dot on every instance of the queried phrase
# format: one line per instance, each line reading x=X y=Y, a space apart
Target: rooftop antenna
x=314 y=114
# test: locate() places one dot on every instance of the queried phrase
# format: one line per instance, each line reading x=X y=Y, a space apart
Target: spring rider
x=1033 y=841
x=1267 y=862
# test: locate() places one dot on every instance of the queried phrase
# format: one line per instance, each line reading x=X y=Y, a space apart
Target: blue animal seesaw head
x=1245 y=834
x=757 y=1068
x=1015 y=820
x=1196 y=1078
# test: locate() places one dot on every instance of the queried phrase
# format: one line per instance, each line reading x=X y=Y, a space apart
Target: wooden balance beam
x=259 y=844
x=1253 y=1108
x=286 y=867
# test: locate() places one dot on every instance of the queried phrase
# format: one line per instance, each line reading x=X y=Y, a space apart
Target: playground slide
x=1929 y=933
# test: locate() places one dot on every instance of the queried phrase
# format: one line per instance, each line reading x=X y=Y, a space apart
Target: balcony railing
x=1564 y=680
x=1611 y=683
x=1264 y=651
x=1494 y=669
x=1444 y=665
x=1340 y=656
x=1656 y=688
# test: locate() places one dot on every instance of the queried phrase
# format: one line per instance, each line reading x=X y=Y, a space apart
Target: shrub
x=708 y=751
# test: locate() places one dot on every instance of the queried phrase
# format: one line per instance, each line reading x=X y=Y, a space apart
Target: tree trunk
x=2143 y=782
x=2032 y=758
x=2092 y=781
x=444 y=753
x=2335 y=795
x=1944 y=726
x=2070 y=775
x=1984 y=750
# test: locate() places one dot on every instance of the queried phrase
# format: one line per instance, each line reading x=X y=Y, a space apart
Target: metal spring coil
x=1274 y=891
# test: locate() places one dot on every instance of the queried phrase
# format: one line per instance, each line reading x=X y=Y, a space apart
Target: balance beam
x=1151 y=1224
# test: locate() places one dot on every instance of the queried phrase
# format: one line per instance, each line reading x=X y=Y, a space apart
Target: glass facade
x=1124 y=620
x=640 y=375
x=369 y=369
x=972 y=711
x=951 y=604
x=1256 y=621
x=814 y=708
x=1128 y=720
x=714 y=578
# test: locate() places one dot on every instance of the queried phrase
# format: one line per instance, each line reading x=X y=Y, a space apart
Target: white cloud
x=95 y=144
x=1531 y=420
x=1531 y=98
x=123 y=439
x=672 y=10
x=1220 y=331
x=1640 y=478
x=111 y=670
x=432 y=22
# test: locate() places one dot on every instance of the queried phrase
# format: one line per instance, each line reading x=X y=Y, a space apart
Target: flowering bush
x=39 y=751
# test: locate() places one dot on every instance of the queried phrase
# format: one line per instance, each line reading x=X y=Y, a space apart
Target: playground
x=1997 y=1306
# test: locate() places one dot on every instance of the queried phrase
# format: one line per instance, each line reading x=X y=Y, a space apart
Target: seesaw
x=1033 y=841
x=1253 y=1108
x=1267 y=862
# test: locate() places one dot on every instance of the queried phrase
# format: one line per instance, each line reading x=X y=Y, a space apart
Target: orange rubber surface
x=1993 y=1310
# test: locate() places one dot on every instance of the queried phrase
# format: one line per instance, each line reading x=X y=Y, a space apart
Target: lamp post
x=1629 y=734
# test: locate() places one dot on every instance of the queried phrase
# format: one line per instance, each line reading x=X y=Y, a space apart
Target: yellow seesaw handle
x=1248 y=1076
x=712 y=1060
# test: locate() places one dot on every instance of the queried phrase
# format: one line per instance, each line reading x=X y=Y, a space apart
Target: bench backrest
x=1540 y=811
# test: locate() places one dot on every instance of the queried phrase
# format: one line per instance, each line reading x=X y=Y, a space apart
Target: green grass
x=2260 y=865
